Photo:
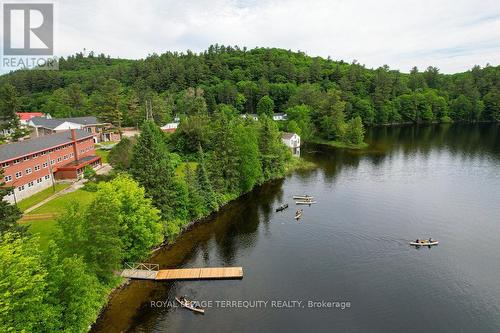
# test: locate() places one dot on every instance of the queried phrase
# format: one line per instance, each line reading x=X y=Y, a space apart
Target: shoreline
x=339 y=144
x=166 y=244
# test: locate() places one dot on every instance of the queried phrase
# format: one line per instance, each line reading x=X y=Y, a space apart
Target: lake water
x=352 y=246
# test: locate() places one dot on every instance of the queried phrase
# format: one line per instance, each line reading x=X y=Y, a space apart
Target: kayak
x=298 y=215
x=190 y=305
x=303 y=197
x=282 y=207
x=424 y=243
x=305 y=202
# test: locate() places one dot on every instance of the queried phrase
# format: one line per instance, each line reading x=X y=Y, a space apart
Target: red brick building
x=32 y=165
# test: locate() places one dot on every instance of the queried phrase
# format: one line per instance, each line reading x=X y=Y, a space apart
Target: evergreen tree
x=120 y=155
x=109 y=110
x=9 y=214
x=153 y=167
x=224 y=160
x=204 y=184
x=196 y=206
x=9 y=105
x=492 y=105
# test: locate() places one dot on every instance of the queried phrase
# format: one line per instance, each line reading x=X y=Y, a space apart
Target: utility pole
x=51 y=174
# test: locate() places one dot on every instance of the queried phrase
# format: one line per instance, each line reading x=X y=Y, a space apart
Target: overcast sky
x=453 y=35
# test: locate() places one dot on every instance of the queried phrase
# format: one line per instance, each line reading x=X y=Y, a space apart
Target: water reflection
x=410 y=180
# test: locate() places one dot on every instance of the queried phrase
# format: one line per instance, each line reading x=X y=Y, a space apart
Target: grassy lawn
x=44 y=229
x=107 y=143
x=59 y=204
x=104 y=155
x=40 y=196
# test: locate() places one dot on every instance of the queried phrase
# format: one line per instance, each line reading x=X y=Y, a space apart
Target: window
x=28 y=171
x=8 y=178
x=17 y=161
x=37 y=167
x=25 y=158
x=59 y=159
x=19 y=174
x=66 y=157
x=52 y=162
x=47 y=176
x=5 y=164
x=39 y=180
x=45 y=165
x=43 y=153
x=20 y=188
x=35 y=155
x=30 y=184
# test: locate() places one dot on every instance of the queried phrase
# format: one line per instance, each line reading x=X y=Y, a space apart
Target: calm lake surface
x=439 y=181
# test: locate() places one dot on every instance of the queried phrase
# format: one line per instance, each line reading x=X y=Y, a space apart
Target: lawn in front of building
x=45 y=228
x=40 y=196
x=104 y=155
x=59 y=204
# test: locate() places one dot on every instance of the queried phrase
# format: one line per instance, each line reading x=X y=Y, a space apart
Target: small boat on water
x=424 y=242
x=303 y=197
x=298 y=214
x=188 y=304
x=282 y=207
x=305 y=202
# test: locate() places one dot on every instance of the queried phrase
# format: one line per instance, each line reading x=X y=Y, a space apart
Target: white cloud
x=453 y=35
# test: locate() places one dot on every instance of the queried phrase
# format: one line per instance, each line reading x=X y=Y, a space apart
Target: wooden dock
x=151 y=272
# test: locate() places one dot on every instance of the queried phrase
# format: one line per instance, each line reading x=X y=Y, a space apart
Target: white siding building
x=292 y=141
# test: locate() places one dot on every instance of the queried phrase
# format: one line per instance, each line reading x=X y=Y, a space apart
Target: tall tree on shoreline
x=153 y=167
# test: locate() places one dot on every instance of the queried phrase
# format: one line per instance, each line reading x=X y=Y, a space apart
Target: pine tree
x=9 y=214
x=9 y=105
x=153 y=168
x=204 y=185
x=196 y=206
x=224 y=161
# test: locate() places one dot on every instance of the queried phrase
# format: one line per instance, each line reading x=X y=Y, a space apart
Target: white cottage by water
x=292 y=141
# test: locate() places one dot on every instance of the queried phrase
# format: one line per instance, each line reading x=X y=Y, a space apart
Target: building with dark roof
x=47 y=125
x=32 y=165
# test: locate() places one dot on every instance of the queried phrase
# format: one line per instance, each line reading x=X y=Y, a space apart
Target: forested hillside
x=188 y=83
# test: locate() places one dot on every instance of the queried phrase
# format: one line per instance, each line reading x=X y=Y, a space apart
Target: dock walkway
x=151 y=272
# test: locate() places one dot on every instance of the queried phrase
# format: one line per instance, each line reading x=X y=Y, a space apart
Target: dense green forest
x=318 y=94
x=150 y=196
